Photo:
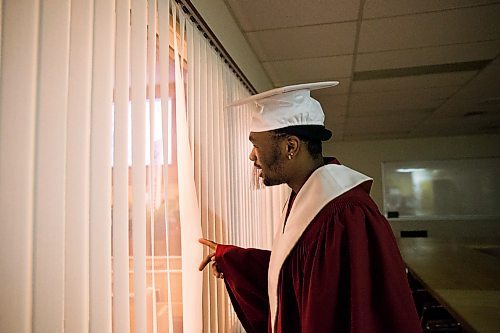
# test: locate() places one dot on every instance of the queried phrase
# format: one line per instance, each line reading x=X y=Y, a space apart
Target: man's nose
x=252 y=156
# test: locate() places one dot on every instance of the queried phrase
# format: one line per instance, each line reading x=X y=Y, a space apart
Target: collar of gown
x=324 y=184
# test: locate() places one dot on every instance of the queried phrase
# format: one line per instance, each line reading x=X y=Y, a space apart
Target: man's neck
x=303 y=174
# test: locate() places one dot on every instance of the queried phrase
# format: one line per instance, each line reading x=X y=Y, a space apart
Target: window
x=163 y=229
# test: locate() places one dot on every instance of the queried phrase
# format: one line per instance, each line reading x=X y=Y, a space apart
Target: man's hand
x=210 y=258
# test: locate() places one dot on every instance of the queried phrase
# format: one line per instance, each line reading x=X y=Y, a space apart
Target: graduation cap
x=290 y=109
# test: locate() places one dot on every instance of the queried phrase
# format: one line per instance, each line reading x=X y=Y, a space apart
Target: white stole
x=325 y=184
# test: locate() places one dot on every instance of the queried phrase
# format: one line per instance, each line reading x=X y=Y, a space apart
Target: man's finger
x=208 y=243
x=216 y=272
x=205 y=261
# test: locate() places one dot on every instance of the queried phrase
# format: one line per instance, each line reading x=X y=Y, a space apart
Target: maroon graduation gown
x=345 y=274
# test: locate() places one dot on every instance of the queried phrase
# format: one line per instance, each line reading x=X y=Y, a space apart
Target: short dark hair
x=312 y=135
x=307 y=132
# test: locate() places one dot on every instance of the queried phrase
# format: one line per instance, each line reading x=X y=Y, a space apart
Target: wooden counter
x=462 y=277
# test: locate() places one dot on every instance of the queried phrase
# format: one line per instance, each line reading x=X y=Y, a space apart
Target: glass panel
x=451 y=188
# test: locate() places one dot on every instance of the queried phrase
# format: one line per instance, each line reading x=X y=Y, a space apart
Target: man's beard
x=276 y=168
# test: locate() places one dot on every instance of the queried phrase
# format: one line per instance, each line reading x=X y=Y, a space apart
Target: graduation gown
x=340 y=271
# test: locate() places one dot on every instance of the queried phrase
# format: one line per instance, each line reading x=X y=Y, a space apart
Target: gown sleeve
x=245 y=276
x=349 y=276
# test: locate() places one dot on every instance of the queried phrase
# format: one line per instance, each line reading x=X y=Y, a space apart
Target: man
x=334 y=264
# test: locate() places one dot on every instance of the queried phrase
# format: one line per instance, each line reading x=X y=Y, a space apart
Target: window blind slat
x=50 y=170
x=226 y=183
x=188 y=206
x=219 y=171
x=232 y=140
x=17 y=158
x=121 y=304
x=245 y=203
x=204 y=190
x=1 y=17
x=138 y=93
x=151 y=71
x=190 y=90
x=197 y=147
x=212 y=222
x=164 y=36
x=100 y=167
x=76 y=303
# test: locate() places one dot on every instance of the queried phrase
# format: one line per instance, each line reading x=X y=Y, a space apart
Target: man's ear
x=292 y=145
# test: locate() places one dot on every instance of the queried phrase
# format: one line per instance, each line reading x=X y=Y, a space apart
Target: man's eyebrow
x=251 y=138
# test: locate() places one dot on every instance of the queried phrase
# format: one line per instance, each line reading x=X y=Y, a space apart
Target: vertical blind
x=231 y=210
x=116 y=155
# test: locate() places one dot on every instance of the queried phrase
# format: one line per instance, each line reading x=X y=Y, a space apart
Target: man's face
x=268 y=157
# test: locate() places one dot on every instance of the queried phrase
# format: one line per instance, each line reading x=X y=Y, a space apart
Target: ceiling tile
x=418 y=99
x=458 y=125
x=382 y=8
x=481 y=94
x=304 y=42
x=308 y=70
x=264 y=14
x=333 y=100
x=391 y=113
x=374 y=136
x=484 y=87
x=334 y=106
x=337 y=137
x=412 y=82
x=362 y=107
x=430 y=29
x=341 y=89
x=495 y=62
x=427 y=56
x=335 y=123
x=380 y=124
x=457 y=107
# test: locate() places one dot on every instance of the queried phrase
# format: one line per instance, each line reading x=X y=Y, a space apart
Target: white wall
x=367 y=157
x=223 y=25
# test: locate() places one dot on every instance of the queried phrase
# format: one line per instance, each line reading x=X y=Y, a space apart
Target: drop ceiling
x=406 y=68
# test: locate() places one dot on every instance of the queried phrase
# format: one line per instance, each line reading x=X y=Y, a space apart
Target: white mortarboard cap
x=286 y=106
